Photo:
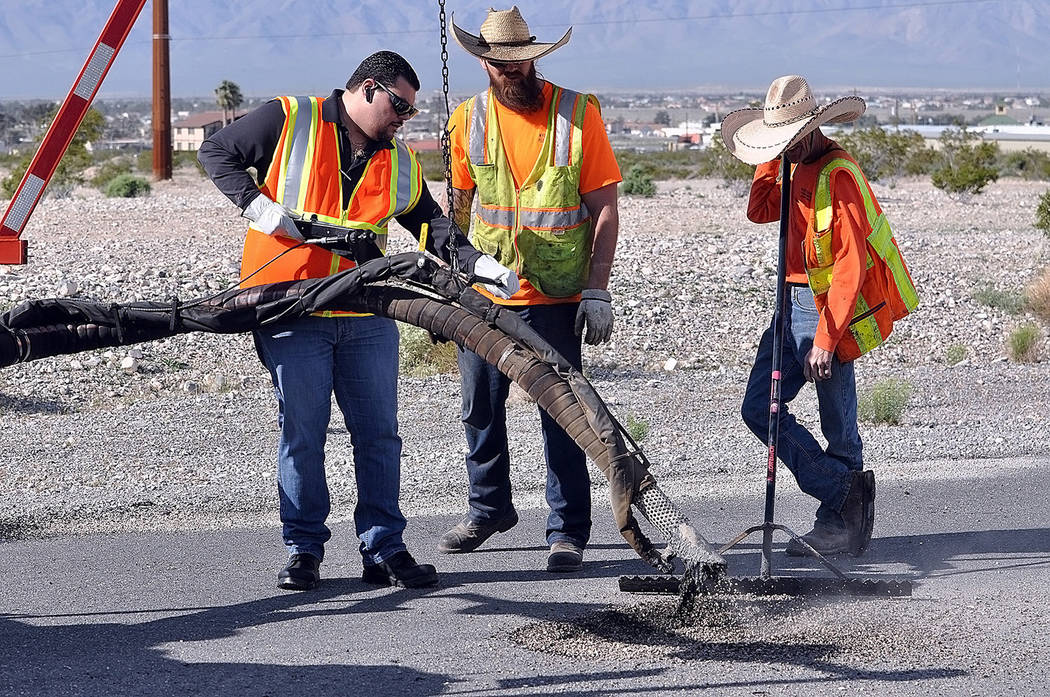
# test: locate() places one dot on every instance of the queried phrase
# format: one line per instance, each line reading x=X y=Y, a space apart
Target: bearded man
x=545 y=176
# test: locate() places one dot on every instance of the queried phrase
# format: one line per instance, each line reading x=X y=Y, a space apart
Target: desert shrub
x=1029 y=164
x=1024 y=343
x=718 y=162
x=1011 y=302
x=888 y=155
x=637 y=428
x=419 y=356
x=965 y=164
x=184 y=158
x=127 y=186
x=956 y=353
x=884 y=402
x=662 y=165
x=638 y=182
x=179 y=160
x=76 y=159
x=109 y=170
x=1042 y=214
x=1037 y=295
x=433 y=164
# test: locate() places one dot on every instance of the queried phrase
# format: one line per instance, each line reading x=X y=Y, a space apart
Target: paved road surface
x=196 y=613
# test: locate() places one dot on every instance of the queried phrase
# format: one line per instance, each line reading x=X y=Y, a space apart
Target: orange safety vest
x=887 y=294
x=305 y=176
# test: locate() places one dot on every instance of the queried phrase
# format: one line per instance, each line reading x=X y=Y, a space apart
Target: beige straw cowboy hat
x=505 y=37
x=760 y=135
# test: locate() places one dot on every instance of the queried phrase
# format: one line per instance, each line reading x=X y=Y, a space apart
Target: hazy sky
x=309 y=46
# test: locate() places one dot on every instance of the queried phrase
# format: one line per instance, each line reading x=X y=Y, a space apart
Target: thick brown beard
x=519 y=95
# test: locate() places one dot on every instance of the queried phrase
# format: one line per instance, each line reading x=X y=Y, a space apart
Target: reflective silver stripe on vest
x=563 y=127
x=497 y=217
x=293 y=173
x=402 y=180
x=545 y=219
x=477 y=128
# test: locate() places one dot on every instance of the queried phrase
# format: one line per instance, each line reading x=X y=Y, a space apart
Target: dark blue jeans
x=356 y=358
x=485 y=392
x=824 y=474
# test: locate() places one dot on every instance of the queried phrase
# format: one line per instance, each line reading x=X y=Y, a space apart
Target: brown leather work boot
x=824 y=539
x=467 y=535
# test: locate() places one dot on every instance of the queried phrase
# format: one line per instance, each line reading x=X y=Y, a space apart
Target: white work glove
x=596 y=313
x=272 y=218
x=506 y=281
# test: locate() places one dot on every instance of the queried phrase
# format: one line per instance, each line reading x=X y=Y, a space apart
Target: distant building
x=190 y=132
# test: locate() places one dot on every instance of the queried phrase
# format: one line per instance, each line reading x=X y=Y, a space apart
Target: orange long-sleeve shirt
x=850 y=229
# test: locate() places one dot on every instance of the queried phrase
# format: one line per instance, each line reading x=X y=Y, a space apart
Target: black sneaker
x=467 y=535
x=400 y=570
x=824 y=539
x=302 y=573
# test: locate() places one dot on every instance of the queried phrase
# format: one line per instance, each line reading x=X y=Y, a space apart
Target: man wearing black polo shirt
x=337 y=159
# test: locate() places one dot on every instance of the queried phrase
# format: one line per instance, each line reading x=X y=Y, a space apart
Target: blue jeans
x=823 y=474
x=485 y=392
x=356 y=357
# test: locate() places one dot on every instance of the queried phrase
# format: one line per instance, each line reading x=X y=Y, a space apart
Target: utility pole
x=161 y=93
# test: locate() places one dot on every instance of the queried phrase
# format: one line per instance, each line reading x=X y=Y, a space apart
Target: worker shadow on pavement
x=250 y=648
x=275 y=645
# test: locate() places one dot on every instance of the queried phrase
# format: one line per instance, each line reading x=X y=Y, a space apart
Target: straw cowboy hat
x=760 y=135
x=505 y=38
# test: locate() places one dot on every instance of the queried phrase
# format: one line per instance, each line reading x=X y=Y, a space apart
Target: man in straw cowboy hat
x=847 y=285
x=545 y=175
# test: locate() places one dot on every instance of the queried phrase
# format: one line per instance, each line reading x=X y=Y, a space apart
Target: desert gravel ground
x=184 y=433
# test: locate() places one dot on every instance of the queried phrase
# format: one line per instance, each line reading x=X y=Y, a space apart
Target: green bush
x=433 y=164
x=127 y=186
x=419 y=356
x=956 y=353
x=887 y=155
x=76 y=159
x=1028 y=164
x=637 y=428
x=1024 y=343
x=718 y=162
x=965 y=164
x=884 y=402
x=108 y=171
x=1009 y=301
x=1042 y=214
x=638 y=183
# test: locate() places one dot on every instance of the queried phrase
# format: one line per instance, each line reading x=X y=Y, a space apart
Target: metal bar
x=776 y=585
x=161 y=92
x=773 y=433
x=63 y=128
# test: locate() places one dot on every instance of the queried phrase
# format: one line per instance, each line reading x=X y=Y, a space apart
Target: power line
x=651 y=20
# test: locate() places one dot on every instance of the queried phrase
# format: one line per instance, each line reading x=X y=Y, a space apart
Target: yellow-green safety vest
x=542 y=230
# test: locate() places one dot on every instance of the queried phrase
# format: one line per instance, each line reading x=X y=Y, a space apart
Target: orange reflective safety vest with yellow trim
x=305 y=176
x=542 y=230
x=887 y=293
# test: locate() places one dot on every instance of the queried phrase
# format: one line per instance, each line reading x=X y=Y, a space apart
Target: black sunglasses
x=400 y=104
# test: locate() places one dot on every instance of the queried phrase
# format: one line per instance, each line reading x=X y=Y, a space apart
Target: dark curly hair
x=385 y=66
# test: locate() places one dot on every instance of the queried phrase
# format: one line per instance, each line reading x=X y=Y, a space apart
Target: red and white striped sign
x=12 y=249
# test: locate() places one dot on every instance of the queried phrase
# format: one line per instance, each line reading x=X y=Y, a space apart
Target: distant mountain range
x=309 y=46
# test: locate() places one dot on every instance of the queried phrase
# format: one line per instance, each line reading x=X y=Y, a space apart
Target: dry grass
x=1038 y=295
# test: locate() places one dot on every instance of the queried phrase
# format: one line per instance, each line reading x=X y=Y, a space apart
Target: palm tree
x=228 y=97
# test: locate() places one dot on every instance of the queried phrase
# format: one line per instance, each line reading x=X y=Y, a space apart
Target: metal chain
x=446 y=145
